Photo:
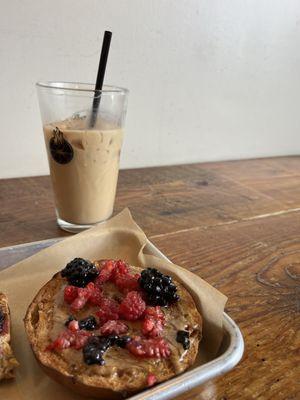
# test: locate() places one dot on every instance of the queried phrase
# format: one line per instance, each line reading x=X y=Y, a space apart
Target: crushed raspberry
x=151 y=379
x=73 y=325
x=109 y=310
x=154 y=322
x=69 y=338
x=113 y=328
x=127 y=282
x=149 y=348
x=121 y=268
x=70 y=293
x=132 y=306
x=83 y=296
x=80 y=340
x=96 y=296
x=106 y=272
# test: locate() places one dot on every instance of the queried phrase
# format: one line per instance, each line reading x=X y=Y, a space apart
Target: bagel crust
x=123 y=373
x=7 y=359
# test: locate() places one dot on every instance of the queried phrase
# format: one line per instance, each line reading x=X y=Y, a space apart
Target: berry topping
x=109 y=310
x=132 y=306
x=159 y=288
x=113 y=327
x=83 y=296
x=127 y=282
x=80 y=272
x=2 y=320
x=121 y=268
x=106 y=271
x=94 y=349
x=60 y=149
x=151 y=379
x=183 y=337
x=112 y=339
x=70 y=293
x=154 y=322
x=122 y=341
x=73 y=325
x=96 y=296
x=69 y=338
x=89 y=323
x=149 y=348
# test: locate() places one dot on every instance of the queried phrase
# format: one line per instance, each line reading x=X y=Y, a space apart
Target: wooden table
x=237 y=224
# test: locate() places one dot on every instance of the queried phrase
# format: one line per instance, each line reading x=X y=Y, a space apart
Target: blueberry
x=183 y=337
x=122 y=341
x=113 y=339
x=88 y=323
x=94 y=349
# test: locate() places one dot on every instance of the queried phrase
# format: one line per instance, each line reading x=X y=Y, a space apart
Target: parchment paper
x=120 y=237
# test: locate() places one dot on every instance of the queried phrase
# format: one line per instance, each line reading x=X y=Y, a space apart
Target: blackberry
x=80 y=272
x=2 y=320
x=94 y=349
x=159 y=288
x=89 y=323
x=183 y=337
x=122 y=341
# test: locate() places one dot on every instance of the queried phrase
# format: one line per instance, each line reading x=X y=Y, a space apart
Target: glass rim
x=80 y=87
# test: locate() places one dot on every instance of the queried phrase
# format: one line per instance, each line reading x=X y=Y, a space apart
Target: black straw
x=100 y=76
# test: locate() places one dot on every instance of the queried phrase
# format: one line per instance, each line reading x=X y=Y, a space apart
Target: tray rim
x=194 y=377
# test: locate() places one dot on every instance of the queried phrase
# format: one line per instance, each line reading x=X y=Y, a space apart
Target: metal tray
x=230 y=352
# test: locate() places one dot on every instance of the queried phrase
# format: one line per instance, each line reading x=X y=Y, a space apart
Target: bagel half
x=7 y=359
x=123 y=373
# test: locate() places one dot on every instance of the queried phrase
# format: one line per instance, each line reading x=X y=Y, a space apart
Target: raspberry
x=127 y=282
x=149 y=348
x=132 y=306
x=151 y=380
x=80 y=339
x=73 y=325
x=83 y=295
x=121 y=268
x=113 y=327
x=154 y=322
x=109 y=309
x=70 y=293
x=69 y=338
x=106 y=272
x=96 y=296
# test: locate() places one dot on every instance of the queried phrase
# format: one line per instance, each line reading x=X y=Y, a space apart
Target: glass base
x=75 y=228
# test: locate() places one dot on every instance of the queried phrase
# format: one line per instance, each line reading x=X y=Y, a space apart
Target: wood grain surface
x=237 y=225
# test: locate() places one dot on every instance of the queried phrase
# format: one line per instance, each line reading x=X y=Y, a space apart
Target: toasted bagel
x=123 y=372
x=7 y=359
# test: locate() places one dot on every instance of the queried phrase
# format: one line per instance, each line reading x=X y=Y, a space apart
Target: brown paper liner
x=120 y=238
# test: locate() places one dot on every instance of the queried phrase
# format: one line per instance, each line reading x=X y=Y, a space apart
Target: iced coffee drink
x=83 y=152
x=84 y=166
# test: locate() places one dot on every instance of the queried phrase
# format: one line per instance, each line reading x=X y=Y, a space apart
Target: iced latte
x=84 y=165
